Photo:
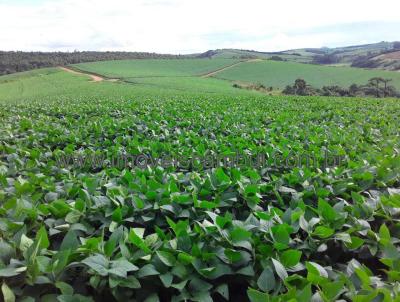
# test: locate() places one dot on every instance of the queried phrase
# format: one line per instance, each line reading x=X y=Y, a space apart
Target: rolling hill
x=214 y=74
x=267 y=72
x=155 y=68
x=57 y=84
x=280 y=74
x=380 y=55
x=377 y=55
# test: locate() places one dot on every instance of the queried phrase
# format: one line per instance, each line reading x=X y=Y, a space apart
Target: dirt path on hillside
x=212 y=73
x=95 y=78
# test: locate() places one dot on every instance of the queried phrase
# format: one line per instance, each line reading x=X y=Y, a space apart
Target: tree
x=276 y=58
x=392 y=92
x=334 y=91
x=377 y=87
x=288 y=90
x=386 y=87
x=326 y=59
x=300 y=86
x=374 y=84
x=354 y=90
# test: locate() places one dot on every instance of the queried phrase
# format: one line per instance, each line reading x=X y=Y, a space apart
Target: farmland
x=266 y=72
x=279 y=229
x=53 y=83
x=280 y=74
x=156 y=68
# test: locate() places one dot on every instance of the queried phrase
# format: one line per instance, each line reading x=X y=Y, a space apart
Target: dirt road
x=212 y=73
x=95 y=78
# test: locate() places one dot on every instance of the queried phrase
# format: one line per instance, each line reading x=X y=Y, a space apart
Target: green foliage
x=376 y=87
x=280 y=74
x=131 y=69
x=274 y=233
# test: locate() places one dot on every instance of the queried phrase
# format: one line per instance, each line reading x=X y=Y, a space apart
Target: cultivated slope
x=280 y=74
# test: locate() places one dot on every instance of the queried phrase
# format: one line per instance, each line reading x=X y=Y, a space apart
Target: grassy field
x=53 y=83
x=280 y=74
x=267 y=72
x=155 y=68
x=133 y=191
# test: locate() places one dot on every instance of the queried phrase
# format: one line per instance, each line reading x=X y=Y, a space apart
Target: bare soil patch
x=94 y=78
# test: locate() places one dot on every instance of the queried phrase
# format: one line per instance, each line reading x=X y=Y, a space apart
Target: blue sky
x=186 y=26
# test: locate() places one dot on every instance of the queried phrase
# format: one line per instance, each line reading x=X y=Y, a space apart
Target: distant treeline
x=16 y=61
x=376 y=87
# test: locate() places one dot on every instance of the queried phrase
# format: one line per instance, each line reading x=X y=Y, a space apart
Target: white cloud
x=184 y=26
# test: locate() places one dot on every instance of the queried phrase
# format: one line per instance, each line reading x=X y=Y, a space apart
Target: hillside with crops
x=280 y=74
x=142 y=187
x=275 y=75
